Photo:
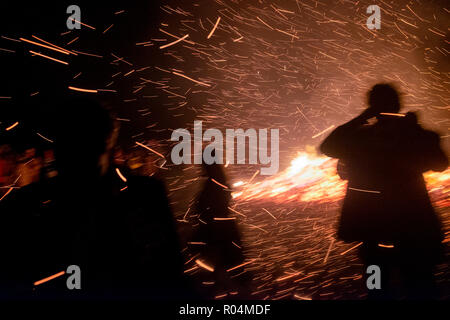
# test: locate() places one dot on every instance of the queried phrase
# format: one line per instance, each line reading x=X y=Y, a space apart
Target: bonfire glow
x=313 y=178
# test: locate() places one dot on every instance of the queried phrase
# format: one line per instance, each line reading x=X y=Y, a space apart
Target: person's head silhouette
x=384 y=98
x=85 y=135
x=215 y=171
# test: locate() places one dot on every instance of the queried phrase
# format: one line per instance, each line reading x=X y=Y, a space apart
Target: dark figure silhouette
x=387 y=203
x=219 y=232
x=121 y=234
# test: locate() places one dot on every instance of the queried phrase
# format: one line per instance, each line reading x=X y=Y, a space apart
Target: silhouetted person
x=120 y=233
x=219 y=232
x=387 y=202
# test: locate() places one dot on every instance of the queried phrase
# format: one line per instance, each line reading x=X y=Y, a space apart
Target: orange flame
x=313 y=178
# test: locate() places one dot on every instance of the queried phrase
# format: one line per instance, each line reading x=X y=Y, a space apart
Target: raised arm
x=337 y=143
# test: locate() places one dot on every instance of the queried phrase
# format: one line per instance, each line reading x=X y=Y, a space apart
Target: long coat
x=387 y=199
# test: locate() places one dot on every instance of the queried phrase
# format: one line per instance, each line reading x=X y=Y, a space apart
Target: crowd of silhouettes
x=120 y=233
x=79 y=202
